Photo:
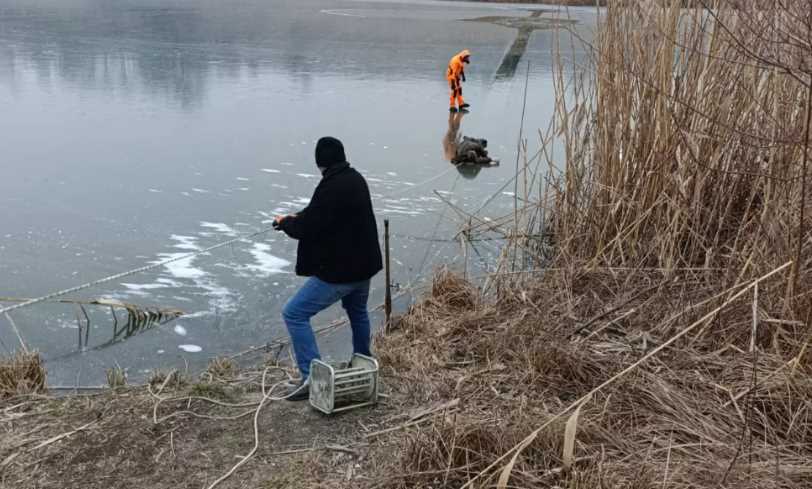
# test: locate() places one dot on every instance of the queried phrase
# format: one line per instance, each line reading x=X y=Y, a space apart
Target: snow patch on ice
x=266 y=263
x=219 y=227
x=185 y=242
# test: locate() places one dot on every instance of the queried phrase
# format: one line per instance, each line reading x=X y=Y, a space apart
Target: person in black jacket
x=338 y=250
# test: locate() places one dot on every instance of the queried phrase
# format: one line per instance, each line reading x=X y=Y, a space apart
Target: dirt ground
x=110 y=440
x=467 y=380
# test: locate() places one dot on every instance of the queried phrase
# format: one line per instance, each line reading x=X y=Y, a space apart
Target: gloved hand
x=463 y=76
x=277 y=222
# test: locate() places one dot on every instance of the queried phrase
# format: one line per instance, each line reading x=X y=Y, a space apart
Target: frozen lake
x=133 y=131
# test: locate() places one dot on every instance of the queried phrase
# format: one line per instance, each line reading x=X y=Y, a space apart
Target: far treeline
x=572 y=3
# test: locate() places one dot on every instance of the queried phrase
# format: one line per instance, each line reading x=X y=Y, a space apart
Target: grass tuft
x=22 y=373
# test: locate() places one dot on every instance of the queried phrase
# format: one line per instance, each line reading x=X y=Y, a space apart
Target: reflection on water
x=525 y=26
x=174 y=49
x=452 y=137
x=469 y=171
x=451 y=144
x=139 y=130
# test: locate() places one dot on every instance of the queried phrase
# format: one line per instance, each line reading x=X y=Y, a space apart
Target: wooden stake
x=388 y=299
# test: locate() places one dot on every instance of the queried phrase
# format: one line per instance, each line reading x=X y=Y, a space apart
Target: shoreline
x=638 y=329
x=561 y=3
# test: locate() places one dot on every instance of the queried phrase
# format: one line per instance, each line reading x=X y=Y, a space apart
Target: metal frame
x=333 y=390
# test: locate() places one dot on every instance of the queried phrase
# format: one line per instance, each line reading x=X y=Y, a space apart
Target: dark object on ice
x=473 y=151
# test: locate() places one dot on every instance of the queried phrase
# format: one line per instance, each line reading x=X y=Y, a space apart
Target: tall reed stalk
x=688 y=146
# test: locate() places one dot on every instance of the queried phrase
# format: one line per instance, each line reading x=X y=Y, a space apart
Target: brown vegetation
x=672 y=303
x=571 y=3
x=22 y=373
x=647 y=324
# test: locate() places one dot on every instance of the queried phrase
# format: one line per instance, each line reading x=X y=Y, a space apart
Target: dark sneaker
x=464 y=106
x=452 y=109
x=299 y=392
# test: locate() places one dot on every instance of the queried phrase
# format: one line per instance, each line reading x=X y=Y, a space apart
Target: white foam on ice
x=185 y=242
x=219 y=227
x=266 y=264
x=143 y=289
x=405 y=212
x=194 y=315
x=183 y=269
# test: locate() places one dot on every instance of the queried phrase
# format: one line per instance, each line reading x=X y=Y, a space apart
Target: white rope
x=146 y=268
x=418 y=185
x=121 y=275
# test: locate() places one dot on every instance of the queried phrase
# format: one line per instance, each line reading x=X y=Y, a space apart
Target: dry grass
x=22 y=373
x=172 y=379
x=678 y=421
x=683 y=179
x=221 y=368
x=116 y=377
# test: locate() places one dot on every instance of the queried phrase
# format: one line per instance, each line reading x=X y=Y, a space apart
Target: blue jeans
x=315 y=296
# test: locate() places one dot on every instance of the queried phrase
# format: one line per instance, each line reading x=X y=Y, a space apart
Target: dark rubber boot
x=452 y=109
x=299 y=392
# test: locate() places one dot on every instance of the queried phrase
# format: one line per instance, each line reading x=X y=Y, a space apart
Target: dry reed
x=685 y=147
x=22 y=373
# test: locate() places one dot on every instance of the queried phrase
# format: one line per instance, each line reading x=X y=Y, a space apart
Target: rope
x=434 y=235
x=134 y=271
x=146 y=268
x=418 y=185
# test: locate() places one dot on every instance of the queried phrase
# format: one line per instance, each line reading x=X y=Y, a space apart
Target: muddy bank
x=467 y=378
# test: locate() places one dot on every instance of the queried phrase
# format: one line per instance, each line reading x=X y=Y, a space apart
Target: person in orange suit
x=455 y=74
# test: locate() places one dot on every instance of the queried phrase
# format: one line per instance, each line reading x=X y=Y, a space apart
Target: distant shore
x=570 y=3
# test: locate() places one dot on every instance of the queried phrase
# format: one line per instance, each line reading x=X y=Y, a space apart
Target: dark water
x=137 y=130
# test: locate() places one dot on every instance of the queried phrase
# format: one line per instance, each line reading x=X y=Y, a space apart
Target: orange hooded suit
x=455 y=74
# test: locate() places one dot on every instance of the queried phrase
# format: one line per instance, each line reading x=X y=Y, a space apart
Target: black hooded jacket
x=337 y=232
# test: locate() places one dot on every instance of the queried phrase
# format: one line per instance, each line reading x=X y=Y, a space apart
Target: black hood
x=329 y=152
